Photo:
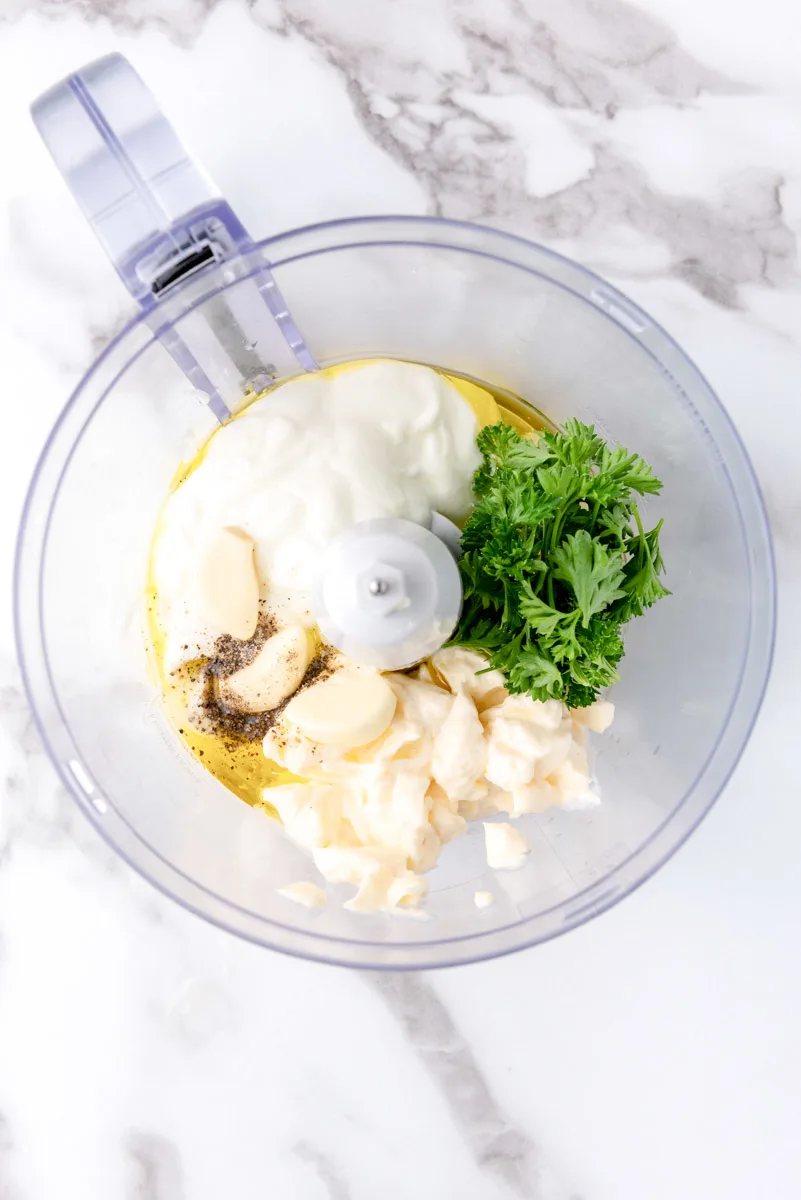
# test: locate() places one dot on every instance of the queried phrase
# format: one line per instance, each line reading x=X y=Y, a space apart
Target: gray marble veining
x=7 y=1191
x=182 y=24
x=156 y=1168
x=138 y=1049
x=498 y=1146
x=431 y=119
x=328 y=1173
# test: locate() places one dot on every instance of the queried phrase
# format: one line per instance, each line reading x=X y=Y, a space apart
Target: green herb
x=555 y=559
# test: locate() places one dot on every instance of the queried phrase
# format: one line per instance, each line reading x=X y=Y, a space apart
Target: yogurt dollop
x=315 y=456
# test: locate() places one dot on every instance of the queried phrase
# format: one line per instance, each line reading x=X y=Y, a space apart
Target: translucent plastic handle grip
x=162 y=222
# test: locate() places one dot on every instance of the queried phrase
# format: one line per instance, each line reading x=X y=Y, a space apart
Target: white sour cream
x=314 y=456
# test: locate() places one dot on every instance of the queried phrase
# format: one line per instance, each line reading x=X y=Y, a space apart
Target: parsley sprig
x=555 y=559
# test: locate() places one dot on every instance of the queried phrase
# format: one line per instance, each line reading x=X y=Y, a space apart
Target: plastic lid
x=389 y=594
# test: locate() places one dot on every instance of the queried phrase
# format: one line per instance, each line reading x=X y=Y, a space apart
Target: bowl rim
x=589 y=902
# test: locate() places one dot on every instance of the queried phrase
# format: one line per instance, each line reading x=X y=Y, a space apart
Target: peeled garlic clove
x=274 y=674
x=350 y=709
x=227 y=587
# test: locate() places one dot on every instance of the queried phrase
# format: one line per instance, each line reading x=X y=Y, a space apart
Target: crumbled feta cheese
x=506 y=846
x=378 y=816
x=307 y=894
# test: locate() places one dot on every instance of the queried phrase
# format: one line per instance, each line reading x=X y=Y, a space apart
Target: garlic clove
x=273 y=675
x=227 y=587
x=350 y=709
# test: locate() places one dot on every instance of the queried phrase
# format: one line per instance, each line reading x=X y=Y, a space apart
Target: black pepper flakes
x=208 y=712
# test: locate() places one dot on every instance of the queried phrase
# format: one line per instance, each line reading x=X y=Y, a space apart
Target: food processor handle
x=163 y=223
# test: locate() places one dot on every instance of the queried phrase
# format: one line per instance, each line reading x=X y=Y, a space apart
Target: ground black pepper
x=208 y=712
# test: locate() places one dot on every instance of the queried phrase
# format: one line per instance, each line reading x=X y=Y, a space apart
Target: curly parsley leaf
x=592 y=572
x=555 y=559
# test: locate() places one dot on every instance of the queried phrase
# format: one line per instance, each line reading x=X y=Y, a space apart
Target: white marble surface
x=652 y=1055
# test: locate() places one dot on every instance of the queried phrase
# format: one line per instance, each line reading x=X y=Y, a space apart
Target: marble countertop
x=653 y=1054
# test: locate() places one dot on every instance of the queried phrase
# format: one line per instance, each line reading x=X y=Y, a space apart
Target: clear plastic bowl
x=494 y=307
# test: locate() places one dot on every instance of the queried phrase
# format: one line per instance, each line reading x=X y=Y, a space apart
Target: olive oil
x=239 y=764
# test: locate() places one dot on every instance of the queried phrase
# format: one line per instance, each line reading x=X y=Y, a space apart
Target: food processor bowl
x=473 y=301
